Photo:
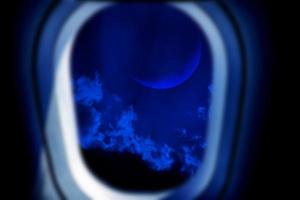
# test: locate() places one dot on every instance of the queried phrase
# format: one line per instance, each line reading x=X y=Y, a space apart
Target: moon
x=165 y=75
x=167 y=49
x=152 y=45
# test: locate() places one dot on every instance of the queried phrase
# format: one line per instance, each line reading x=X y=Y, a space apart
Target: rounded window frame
x=56 y=131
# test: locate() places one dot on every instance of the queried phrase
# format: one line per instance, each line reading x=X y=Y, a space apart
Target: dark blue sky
x=141 y=77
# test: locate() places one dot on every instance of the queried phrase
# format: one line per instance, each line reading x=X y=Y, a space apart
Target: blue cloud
x=90 y=130
x=124 y=139
x=121 y=135
x=191 y=162
x=88 y=91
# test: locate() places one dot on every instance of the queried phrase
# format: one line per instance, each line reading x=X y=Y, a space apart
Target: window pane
x=142 y=83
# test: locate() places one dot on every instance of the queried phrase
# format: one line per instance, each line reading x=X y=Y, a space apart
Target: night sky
x=142 y=83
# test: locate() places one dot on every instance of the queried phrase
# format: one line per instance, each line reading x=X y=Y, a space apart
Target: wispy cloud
x=122 y=136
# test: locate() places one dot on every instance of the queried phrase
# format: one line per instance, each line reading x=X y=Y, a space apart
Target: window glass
x=142 y=80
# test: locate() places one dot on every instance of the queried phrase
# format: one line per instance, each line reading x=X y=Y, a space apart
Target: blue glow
x=143 y=89
x=173 y=80
x=122 y=136
x=168 y=43
x=87 y=91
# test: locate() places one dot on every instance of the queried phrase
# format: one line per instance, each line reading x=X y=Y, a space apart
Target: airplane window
x=141 y=100
x=138 y=98
x=142 y=84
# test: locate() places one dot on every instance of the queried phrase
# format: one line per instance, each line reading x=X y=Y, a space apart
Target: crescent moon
x=175 y=80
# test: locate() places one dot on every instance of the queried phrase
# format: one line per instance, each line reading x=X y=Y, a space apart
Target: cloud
x=88 y=91
x=121 y=135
